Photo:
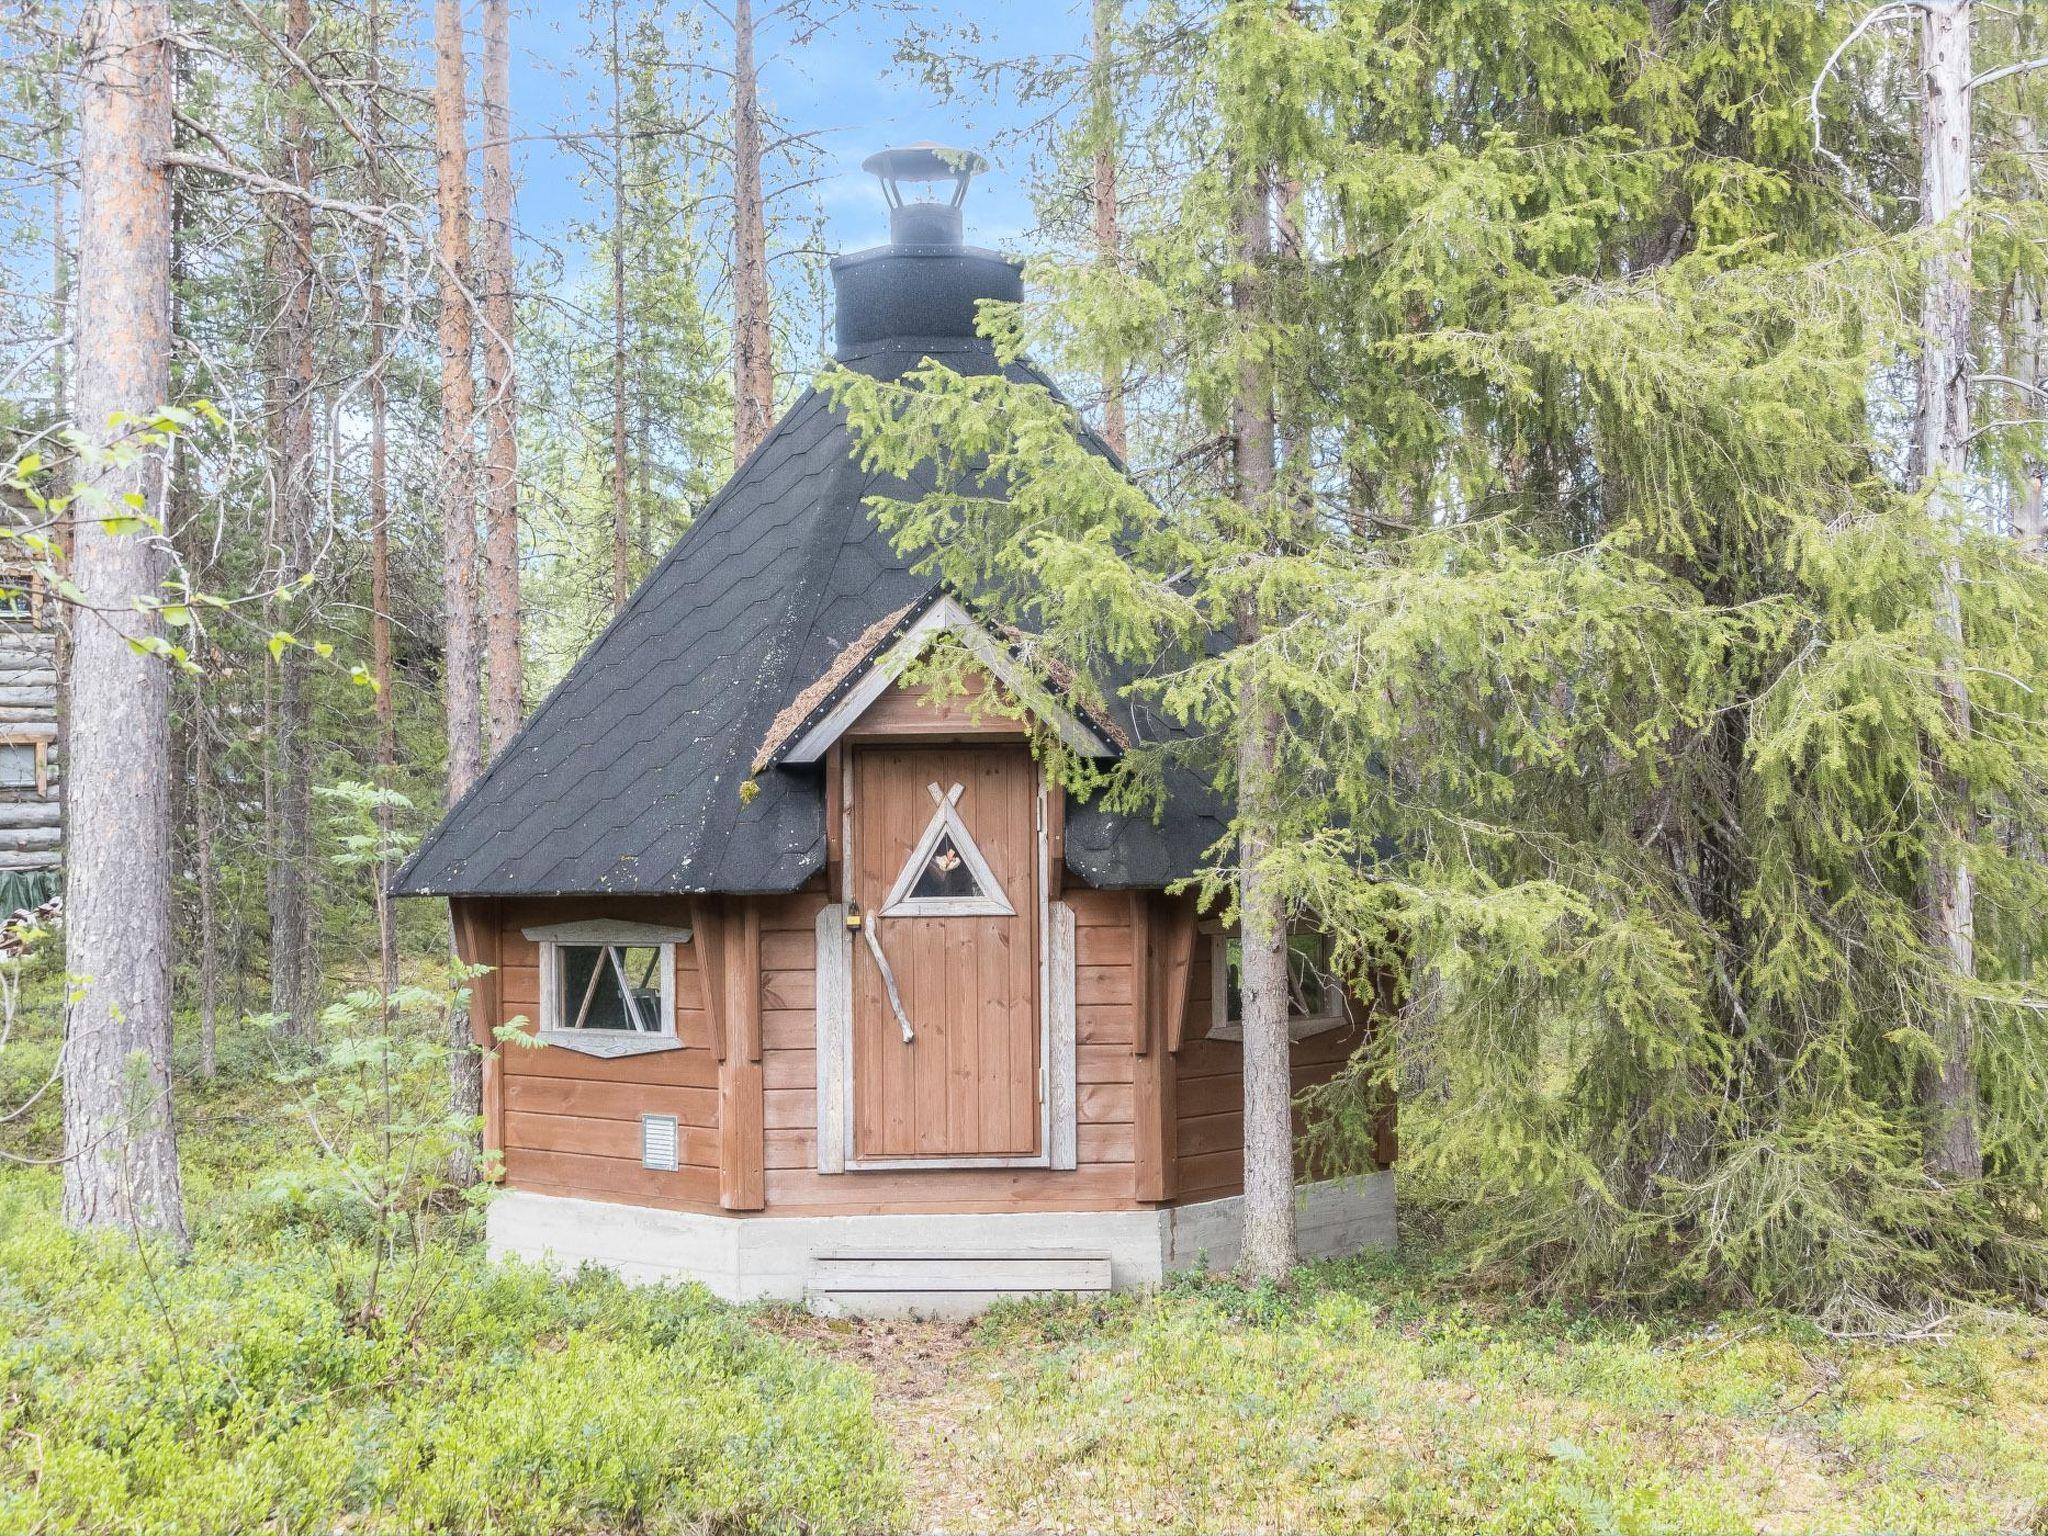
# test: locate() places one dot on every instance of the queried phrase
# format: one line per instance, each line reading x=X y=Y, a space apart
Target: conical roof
x=628 y=778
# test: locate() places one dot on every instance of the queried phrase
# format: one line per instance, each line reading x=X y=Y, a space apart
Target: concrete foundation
x=952 y=1265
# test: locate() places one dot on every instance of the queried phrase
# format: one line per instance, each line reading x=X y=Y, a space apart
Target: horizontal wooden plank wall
x=1102 y=1179
x=912 y=712
x=572 y=1122
x=1209 y=1095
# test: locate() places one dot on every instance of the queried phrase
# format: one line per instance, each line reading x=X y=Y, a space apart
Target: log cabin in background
x=31 y=813
x=902 y=1027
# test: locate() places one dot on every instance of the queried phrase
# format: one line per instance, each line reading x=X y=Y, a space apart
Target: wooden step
x=948 y=1284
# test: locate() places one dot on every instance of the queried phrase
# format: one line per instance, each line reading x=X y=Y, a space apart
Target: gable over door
x=943 y=870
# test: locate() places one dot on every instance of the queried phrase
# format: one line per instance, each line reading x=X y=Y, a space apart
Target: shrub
x=240 y=1390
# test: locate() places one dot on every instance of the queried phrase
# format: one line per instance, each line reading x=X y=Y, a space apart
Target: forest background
x=1612 y=432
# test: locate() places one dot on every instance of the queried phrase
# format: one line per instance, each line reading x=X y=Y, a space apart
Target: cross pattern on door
x=946 y=875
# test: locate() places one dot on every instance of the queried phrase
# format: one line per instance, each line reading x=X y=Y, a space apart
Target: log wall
x=571 y=1123
x=568 y=1124
x=31 y=818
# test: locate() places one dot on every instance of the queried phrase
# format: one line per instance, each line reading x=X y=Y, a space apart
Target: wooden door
x=943 y=869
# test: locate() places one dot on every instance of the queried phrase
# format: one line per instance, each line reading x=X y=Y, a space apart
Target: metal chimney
x=926 y=283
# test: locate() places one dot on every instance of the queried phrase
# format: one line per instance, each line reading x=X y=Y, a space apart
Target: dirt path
x=926 y=1402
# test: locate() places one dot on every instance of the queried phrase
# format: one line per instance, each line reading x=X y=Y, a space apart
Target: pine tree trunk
x=1102 y=129
x=380 y=502
x=1948 y=1090
x=501 y=428
x=1268 y=1251
x=120 y=1143
x=204 y=795
x=458 y=491
x=292 y=963
x=622 y=585
x=2030 y=517
x=753 y=344
x=60 y=253
x=195 y=806
x=459 y=662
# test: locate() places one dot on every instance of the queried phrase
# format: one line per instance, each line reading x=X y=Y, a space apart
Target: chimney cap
x=924 y=161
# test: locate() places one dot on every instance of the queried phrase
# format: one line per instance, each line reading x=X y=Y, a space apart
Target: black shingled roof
x=627 y=779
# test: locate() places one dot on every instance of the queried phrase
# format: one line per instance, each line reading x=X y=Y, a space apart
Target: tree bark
x=622 y=585
x=203 y=799
x=380 y=496
x=458 y=483
x=120 y=1142
x=1102 y=130
x=1948 y=1089
x=188 y=540
x=293 y=968
x=2030 y=518
x=753 y=344
x=501 y=427
x=1268 y=1250
x=459 y=661
x=60 y=252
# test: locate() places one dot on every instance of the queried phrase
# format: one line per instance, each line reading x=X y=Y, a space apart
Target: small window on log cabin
x=946 y=874
x=1315 y=995
x=620 y=987
x=18 y=765
x=20 y=598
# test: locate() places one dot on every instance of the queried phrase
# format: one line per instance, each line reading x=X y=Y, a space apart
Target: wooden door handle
x=888 y=978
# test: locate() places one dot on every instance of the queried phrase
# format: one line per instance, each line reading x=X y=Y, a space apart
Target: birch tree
x=121 y=1161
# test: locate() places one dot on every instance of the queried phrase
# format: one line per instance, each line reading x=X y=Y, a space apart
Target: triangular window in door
x=946 y=875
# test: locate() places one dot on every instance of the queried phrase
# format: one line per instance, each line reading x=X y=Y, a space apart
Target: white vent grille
x=660 y=1137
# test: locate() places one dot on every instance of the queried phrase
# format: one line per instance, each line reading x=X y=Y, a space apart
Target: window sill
x=592 y=1042
x=1297 y=1029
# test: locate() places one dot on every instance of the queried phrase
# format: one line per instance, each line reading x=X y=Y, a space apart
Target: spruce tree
x=1594 y=607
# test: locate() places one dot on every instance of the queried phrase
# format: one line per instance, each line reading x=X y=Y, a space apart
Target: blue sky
x=843 y=87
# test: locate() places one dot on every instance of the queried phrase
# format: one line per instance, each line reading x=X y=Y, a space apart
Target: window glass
x=610 y=986
x=945 y=873
x=17 y=595
x=17 y=765
x=1312 y=992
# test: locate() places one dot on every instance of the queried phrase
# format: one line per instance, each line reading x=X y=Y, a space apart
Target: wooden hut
x=901 y=1027
x=31 y=817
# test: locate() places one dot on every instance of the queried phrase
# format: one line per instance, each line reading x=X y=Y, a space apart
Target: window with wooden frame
x=21 y=594
x=608 y=988
x=946 y=874
x=1316 y=997
x=25 y=763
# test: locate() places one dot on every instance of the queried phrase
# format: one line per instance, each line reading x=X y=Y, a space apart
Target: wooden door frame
x=1056 y=1021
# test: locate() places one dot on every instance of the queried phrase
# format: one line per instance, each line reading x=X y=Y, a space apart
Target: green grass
x=250 y=1388
x=1373 y=1396
x=281 y=1379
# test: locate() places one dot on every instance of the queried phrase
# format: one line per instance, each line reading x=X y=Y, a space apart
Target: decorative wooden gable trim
x=870 y=676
